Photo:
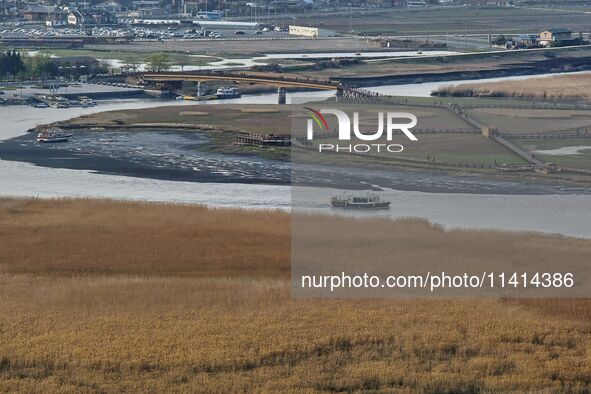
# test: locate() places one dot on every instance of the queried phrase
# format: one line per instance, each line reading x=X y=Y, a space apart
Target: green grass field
x=450 y=148
x=132 y=57
x=532 y=121
x=582 y=159
x=451 y=20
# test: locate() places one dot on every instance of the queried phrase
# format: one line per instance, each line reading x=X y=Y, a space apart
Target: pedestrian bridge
x=248 y=77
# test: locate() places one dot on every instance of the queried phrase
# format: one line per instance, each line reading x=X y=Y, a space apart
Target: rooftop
x=45 y=9
x=559 y=30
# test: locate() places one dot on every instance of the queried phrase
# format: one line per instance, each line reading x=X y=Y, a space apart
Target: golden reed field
x=575 y=86
x=105 y=296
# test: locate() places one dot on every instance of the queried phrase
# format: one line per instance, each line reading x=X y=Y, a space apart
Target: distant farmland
x=104 y=296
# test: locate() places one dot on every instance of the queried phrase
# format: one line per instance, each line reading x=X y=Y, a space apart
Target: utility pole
x=466 y=35
x=428 y=28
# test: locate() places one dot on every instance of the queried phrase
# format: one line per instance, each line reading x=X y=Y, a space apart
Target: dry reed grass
x=559 y=87
x=97 y=318
x=73 y=237
x=193 y=113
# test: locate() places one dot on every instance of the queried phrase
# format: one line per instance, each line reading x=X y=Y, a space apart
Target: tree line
x=18 y=66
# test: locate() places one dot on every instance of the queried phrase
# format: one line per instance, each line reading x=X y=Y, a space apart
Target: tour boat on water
x=369 y=201
x=53 y=135
x=230 y=92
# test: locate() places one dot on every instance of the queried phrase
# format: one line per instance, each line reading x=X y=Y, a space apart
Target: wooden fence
x=263 y=140
x=431 y=162
x=579 y=133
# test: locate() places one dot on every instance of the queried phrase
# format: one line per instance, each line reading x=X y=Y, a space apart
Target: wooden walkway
x=499 y=138
x=263 y=140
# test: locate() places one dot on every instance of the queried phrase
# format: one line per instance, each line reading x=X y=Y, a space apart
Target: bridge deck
x=278 y=81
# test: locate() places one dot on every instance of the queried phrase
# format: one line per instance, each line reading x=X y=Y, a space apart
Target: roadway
x=483 y=53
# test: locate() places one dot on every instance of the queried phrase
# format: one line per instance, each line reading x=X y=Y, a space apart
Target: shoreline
x=468 y=75
x=454 y=210
x=24 y=149
x=212 y=146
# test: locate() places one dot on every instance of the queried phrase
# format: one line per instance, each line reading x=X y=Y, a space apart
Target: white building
x=76 y=18
x=55 y=23
x=146 y=3
x=306 y=31
x=110 y=6
x=416 y=3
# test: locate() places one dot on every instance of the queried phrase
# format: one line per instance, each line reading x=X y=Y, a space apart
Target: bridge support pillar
x=201 y=88
x=339 y=94
x=281 y=95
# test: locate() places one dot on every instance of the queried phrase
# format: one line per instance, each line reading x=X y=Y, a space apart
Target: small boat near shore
x=86 y=101
x=229 y=92
x=369 y=201
x=53 y=135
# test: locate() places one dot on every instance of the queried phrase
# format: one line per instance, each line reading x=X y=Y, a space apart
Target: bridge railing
x=243 y=75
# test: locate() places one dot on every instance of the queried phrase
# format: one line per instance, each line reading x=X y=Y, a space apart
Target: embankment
x=556 y=65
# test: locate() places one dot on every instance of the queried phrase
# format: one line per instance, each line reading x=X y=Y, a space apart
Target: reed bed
x=155 y=298
x=561 y=87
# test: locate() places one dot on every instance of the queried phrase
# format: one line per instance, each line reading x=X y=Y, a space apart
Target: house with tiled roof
x=555 y=35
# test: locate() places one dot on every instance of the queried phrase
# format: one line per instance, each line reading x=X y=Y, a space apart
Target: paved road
x=81 y=89
x=483 y=53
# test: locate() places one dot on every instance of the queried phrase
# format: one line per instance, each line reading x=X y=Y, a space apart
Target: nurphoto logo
x=392 y=121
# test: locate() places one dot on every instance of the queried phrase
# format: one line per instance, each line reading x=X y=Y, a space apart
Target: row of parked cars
x=129 y=33
x=67 y=32
x=137 y=32
x=190 y=33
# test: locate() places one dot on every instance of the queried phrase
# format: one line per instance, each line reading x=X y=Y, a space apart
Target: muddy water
x=453 y=201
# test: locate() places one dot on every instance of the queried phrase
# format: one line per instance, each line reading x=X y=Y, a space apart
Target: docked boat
x=226 y=93
x=53 y=135
x=369 y=201
x=86 y=101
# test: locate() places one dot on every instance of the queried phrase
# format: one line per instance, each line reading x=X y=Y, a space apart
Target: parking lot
x=153 y=31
